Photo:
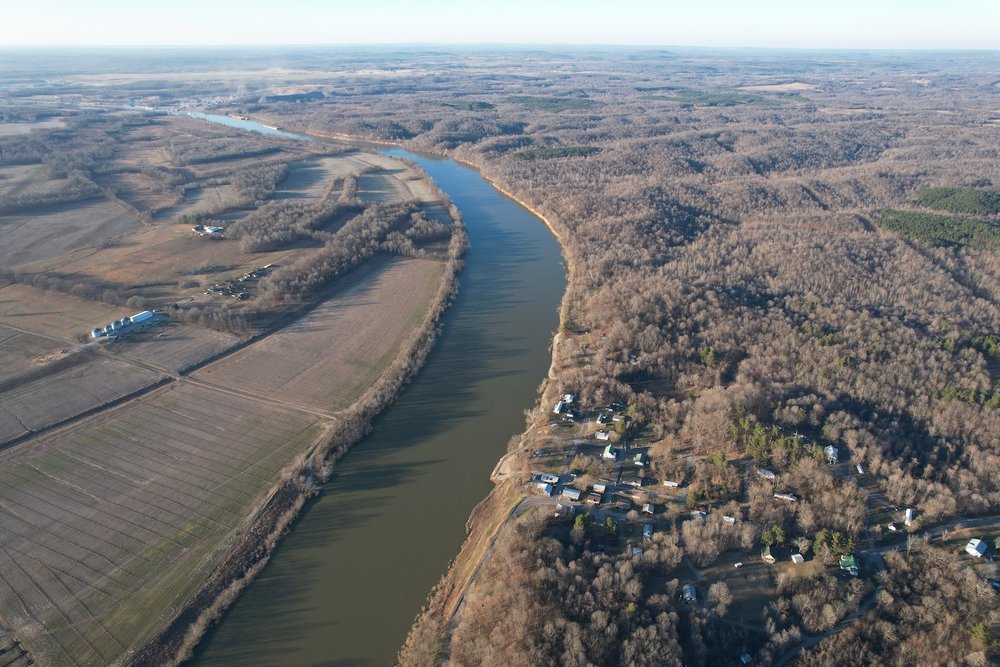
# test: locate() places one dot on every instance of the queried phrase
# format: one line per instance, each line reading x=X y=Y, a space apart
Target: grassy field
x=109 y=526
x=327 y=358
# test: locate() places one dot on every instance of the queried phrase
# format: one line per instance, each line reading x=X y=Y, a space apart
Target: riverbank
x=302 y=481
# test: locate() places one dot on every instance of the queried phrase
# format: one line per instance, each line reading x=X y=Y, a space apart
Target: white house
x=976 y=547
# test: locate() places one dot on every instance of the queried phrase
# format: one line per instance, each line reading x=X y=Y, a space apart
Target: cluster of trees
x=257 y=183
x=929 y=609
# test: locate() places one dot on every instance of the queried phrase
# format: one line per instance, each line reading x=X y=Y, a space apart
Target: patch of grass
x=960 y=200
x=552 y=103
x=941 y=230
x=561 y=151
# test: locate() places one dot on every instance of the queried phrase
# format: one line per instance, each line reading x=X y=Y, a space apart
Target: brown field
x=174 y=347
x=781 y=87
x=13 y=129
x=21 y=352
x=29 y=179
x=383 y=187
x=86 y=383
x=141 y=191
x=51 y=314
x=50 y=232
x=327 y=358
x=109 y=526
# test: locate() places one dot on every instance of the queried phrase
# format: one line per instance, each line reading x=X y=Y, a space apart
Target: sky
x=878 y=24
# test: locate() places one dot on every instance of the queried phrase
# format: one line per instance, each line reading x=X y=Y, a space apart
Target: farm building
x=571 y=494
x=125 y=325
x=976 y=547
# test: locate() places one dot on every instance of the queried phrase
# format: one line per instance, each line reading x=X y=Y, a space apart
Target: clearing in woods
x=327 y=358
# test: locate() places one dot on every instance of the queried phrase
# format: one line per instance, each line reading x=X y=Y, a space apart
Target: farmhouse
x=976 y=547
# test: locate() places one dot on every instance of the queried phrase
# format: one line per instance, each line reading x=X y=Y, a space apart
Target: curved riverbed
x=345 y=584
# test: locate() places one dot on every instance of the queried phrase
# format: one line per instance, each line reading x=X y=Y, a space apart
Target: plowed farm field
x=330 y=356
x=107 y=527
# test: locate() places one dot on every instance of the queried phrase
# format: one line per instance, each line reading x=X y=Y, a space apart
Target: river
x=347 y=581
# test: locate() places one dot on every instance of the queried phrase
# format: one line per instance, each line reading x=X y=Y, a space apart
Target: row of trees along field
x=728 y=267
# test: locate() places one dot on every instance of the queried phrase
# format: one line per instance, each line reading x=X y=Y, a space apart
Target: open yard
x=106 y=528
x=328 y=357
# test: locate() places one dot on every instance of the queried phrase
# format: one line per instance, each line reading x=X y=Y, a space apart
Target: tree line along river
x=346 y=582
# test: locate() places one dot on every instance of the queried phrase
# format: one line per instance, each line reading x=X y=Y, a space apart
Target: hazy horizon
x=768 y=24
